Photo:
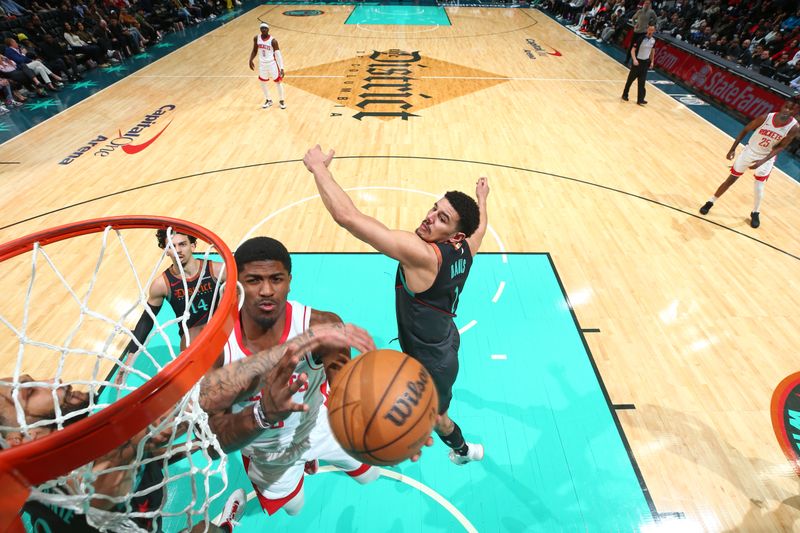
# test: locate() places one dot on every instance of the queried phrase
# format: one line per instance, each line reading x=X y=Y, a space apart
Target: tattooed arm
x=269 y=371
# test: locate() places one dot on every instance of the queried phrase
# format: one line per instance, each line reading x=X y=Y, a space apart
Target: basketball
x=382 y=407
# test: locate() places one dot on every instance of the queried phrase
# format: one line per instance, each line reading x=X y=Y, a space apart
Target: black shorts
x=440 y=360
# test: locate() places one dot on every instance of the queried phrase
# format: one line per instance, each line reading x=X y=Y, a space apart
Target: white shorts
x=747 y=158
x=269 y=71
x=278 y=477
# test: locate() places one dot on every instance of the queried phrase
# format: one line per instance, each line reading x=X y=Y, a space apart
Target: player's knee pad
x=295 y=505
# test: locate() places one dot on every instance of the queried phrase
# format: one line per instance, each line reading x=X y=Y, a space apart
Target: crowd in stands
x=762 y=35
x=46 y=45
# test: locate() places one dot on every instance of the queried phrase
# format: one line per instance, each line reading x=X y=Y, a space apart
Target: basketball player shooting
x=773 y=132
x=279 y=452
x=269 y=371
x=270 y=64
x=435 y=261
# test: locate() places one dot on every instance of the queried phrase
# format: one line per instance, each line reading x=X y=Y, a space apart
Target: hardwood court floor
x=697 y=316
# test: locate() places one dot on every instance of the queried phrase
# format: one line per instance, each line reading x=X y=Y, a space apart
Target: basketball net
x=79 y=343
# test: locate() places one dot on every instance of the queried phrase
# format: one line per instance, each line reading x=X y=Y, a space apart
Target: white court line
x=397 y=32
x=327 y=76
x=499 y=356
x=468 y=327
x=499 y=292
x=435 y=496
x=510 y=78
x=236 y=76
x=499 y=243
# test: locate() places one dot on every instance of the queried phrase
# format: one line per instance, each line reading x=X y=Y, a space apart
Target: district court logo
x=390 y=84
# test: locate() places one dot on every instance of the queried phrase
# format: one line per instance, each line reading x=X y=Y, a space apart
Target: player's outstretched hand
x=276 y=396
x=338 y=336
x=316 y=156
x=731 y=154
x=482 y=188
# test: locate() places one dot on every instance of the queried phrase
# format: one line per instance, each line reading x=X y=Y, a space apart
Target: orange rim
x=79 y=443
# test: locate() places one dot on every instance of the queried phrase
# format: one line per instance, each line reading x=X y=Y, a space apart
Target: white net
x=68 y=317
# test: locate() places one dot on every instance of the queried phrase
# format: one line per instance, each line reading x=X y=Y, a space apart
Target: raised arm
x=403 y=246
x=155 y=299
x=481 y=193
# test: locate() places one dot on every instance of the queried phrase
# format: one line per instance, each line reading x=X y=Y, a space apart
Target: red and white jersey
x=266 y=52
x=297 y=427
x=768 y=135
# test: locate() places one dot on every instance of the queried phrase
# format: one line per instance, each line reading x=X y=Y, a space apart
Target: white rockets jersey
x=297 y=426
x=266 y=53
x=768 y=135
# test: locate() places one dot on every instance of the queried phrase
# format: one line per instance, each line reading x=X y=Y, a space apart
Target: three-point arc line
x=435 y=496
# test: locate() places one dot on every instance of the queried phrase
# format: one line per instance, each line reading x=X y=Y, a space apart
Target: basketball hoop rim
x=63 y=451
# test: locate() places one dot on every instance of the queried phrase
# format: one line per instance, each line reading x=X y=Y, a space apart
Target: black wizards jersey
x=205 y=284
x=426 y=318
x=50 y=518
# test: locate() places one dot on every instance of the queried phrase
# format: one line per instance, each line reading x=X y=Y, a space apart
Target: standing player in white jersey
x=276 y=454
x=772 y=133
x=270 y=63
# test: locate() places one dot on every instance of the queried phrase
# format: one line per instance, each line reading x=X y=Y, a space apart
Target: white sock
x=265 y=88
x=280 y=91
x=758 y=193
x=366 y=477
x=713 y=199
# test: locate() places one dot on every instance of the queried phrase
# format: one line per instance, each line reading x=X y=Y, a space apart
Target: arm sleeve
x=142 y=329
x=279 y=59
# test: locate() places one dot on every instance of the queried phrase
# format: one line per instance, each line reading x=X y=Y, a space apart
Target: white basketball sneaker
x=267 y=104
x=474 y=453
x=283 y=104
x=234 y=508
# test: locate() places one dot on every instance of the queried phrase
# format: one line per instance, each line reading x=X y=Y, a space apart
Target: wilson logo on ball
x=404 y=405
x=382 y=407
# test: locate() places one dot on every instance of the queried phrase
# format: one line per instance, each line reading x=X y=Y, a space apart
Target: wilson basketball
x=382 y=407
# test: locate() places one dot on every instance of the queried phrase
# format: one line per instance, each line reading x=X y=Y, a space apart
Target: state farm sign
x=725 y=87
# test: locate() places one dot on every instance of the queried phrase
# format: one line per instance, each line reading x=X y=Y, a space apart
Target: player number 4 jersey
x=766 y=136
x=297 y=426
